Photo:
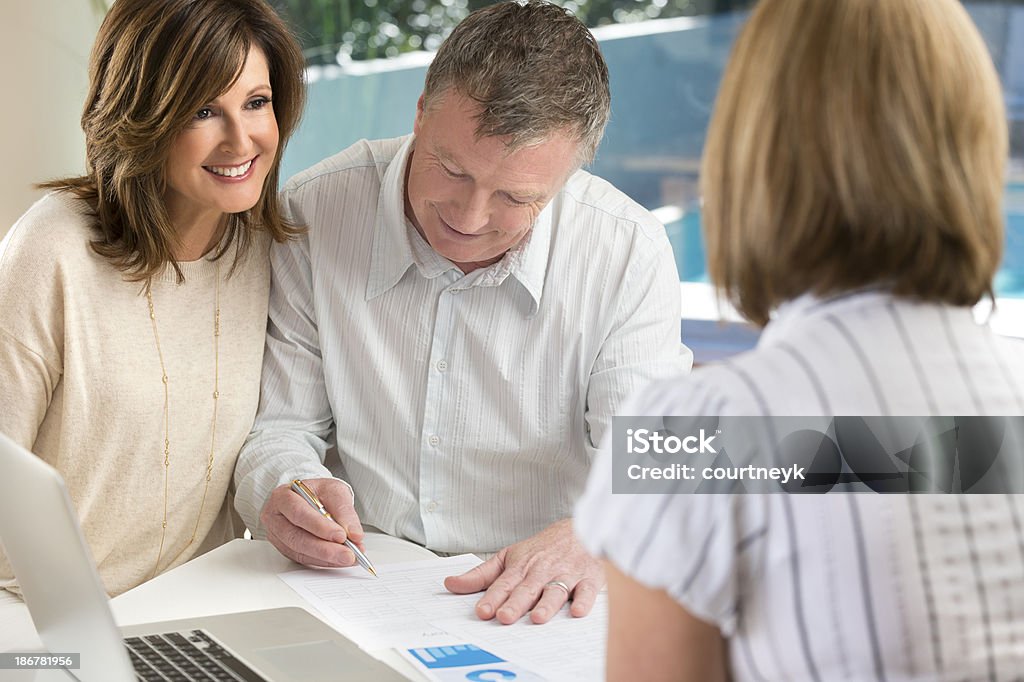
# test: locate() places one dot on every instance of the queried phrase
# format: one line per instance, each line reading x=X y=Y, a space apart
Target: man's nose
x=473 y=212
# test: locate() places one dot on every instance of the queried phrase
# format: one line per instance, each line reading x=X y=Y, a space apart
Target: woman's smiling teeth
x=230 y=171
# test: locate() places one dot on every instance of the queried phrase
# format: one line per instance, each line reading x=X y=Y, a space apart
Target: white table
x=239 y=576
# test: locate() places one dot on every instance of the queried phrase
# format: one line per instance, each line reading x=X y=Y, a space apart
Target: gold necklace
x=167 y=421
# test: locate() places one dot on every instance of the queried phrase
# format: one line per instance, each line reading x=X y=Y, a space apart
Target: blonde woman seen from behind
x=852 y=185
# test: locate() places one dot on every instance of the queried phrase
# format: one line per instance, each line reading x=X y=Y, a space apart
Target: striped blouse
x=839 y=587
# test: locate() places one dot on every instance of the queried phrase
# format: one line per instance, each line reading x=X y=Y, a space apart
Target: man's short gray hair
x=533 y=68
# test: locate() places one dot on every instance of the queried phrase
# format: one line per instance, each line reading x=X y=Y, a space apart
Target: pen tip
x=373 y=572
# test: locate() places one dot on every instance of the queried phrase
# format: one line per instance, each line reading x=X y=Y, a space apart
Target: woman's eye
x=259 y=102
x=204 y=113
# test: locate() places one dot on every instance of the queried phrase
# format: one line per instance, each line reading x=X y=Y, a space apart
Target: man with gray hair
x=465 y=315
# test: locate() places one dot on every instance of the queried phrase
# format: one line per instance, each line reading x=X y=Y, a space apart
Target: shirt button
x=434 y=441
x=432 y=507
x=442 y=365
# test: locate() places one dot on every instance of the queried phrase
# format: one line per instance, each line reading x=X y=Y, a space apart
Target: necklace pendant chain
x=167 y=420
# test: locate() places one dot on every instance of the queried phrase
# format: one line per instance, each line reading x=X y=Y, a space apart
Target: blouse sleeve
x=687 y=544
x=31 y=327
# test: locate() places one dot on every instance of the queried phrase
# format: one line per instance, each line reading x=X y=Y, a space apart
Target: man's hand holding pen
x=303 y=534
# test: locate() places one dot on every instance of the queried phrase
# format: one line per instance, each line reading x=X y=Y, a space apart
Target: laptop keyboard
x=186 y=655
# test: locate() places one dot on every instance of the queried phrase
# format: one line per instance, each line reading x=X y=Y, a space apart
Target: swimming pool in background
x=688 y=246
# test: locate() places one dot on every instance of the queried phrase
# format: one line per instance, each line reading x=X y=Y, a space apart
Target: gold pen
x=309 y=496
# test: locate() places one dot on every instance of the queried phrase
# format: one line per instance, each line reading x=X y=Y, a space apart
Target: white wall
x=44 y=53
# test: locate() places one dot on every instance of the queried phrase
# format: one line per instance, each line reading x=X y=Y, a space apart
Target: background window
x=665 y=58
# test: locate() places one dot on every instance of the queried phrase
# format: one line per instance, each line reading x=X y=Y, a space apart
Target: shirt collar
x=528 y=262
x=792 y=314
x=391 y=253
x=397 y=245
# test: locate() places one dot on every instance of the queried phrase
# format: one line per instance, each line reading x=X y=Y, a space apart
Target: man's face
x=472 y=199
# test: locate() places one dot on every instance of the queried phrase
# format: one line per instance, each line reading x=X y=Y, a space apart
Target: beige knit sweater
x=80 y=385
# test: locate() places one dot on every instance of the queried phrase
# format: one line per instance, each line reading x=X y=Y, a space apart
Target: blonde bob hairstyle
x=854 y=144
x=154 y=65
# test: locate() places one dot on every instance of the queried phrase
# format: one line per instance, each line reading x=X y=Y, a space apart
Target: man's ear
x=419 y=116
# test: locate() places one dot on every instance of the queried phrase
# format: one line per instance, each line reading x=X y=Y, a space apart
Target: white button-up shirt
x=465 y=407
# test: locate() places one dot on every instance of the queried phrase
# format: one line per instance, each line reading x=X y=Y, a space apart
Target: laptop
x=41 y=537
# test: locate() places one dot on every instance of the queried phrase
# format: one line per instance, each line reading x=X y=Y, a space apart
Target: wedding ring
x=562 y=586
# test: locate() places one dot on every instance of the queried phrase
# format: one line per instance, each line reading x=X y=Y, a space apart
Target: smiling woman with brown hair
x=133 y=299
x=852 y=183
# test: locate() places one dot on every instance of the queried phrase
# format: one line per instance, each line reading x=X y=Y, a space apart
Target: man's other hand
x=517 y=578
x=303 y=535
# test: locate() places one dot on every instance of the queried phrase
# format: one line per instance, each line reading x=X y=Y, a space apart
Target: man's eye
x=515 y=202
x=450 y=173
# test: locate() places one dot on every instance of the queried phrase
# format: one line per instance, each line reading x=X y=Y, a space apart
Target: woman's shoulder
x=55 y=227
x=59 y=210
x=714 y=389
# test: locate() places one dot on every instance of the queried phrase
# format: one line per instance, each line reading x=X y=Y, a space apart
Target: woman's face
x=219 y=163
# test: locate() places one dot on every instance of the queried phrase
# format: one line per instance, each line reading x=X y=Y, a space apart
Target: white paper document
x=408 y=606
x=564 y=648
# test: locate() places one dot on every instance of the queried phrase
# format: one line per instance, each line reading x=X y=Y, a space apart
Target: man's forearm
x=265 y=462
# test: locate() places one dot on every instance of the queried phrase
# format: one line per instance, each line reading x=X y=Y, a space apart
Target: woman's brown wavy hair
x=154 y=64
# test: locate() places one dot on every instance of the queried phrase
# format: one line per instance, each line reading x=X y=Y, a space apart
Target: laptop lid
x=41 y=539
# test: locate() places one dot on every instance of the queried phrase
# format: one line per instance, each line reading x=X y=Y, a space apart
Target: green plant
x=337 y=31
